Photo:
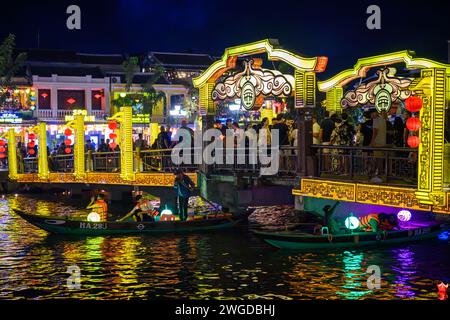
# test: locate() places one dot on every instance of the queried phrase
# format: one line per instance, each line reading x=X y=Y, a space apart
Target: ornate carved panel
x=327 y=189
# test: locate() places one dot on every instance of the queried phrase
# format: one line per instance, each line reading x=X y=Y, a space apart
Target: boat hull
x=295 y=241
x=62 y=225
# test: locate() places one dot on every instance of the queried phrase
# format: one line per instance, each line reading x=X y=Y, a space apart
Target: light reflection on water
x=225 y=265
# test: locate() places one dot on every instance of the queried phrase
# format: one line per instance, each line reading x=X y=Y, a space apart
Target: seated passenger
x=388 y=222
x=143 y=211
x=100 y=206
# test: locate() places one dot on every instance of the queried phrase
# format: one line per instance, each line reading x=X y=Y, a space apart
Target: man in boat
x=143 y=211
x=330 y=222
x=375 y=222
x=184 y=186
x=100 y=206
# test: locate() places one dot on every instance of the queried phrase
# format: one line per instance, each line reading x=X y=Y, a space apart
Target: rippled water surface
x=222 y=265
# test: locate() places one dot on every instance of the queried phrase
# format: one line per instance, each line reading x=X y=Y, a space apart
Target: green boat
x=299 y=240
x=79 y=226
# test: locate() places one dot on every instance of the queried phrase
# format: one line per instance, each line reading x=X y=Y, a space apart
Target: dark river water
x=224 y=265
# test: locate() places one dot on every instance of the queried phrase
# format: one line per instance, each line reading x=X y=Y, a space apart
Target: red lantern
x=2 y=149
x=67 y=132
x=2 y=143
x=413 y=124
x=67 y=142
x=413 y=142
x=31 y=151
x=31 y=144
x=31 y=136
x=112 y=125
x=67 y=150
x=413 y=104
x=113 y=145
x=2 y=156
x=112 y=136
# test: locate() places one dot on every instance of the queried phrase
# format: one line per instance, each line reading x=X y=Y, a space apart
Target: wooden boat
x=298 y=240
x=78 y=226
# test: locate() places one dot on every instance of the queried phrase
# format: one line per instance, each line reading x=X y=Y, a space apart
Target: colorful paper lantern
x=413 y=104
x=413 y=124
x=67 y=142
x=67 y=132
x=413 y=142
x=67 y=150
x=404 y=215
x=352 y=223
x=112 y=125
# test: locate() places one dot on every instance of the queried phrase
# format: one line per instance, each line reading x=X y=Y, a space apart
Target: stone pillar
x=88 y=100
x=54 y=102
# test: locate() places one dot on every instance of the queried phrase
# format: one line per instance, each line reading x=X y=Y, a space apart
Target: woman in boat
x=330 y=222
x=99 y=206
x=143 y=211
x=375 y=222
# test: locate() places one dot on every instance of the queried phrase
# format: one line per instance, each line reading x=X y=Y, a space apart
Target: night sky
x=336 y=29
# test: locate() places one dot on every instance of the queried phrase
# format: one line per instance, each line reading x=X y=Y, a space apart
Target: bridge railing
x=106 y=161
x=387 y=165
x=160 y=160
x=30 y=165
x=61 y=163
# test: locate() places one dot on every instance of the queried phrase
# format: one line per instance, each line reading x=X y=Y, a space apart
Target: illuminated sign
x=177 y=112
x=8 y=117
x=381 y=92
x=141 y=118
x=87 y=118
x=252 y=82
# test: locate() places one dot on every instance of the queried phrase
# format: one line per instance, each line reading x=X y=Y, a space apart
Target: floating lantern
x=112 y=125
x=93 y=217
x=413 y=124
x=68 y=132
x=413 y=104
x=166 y=211
x=404 y=215
x=413 y=142
x=352 y=223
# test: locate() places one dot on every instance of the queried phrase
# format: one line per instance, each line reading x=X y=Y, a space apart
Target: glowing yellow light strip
x=305 y=64
x=364 y=64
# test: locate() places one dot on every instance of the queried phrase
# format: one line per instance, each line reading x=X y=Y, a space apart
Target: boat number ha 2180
x=95 y=226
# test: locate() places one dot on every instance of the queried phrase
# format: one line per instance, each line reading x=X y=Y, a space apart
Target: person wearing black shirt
x=283 y=130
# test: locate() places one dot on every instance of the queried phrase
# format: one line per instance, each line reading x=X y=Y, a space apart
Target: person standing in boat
x=143 y=211
x=99 y=206
x=184 y=186
x=330 y=222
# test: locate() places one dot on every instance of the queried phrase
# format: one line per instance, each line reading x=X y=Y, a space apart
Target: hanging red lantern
x=67 y=132
x=31 y=151
x=413 y=104
x=112 y=125
x=413 y=124
x=112 y=136
x=67 y=150
x=2 y=143
x=2 y=149
x=67 y=142
x=413 y=142
x=2 y=156
x=31 y=136
x=31 y=144
x=113 y=145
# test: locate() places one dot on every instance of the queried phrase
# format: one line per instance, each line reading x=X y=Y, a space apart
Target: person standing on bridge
x=184 y=186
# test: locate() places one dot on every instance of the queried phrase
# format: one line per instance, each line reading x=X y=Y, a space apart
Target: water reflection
x=227 y=265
